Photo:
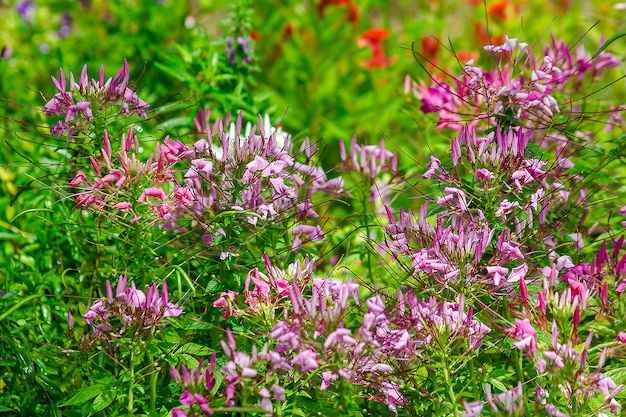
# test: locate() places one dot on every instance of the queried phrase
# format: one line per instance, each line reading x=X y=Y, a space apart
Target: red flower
x=255 y=35
x=430 y=47
x=353 y=11
x=373 y=39
x=465 y=56
x=484 y=37
x=498 y=10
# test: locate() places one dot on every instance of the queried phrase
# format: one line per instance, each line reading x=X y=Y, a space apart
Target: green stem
x=518 y=365
x=153 y=383
x=446 y=376
x=367 y=236
x=137 y=249
x=131 y=397
x=474 y=377
x=517 y=357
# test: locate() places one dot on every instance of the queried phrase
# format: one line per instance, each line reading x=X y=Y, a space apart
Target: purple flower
x=197 y=385
x=26 y=9
x=511 y=402
x=509 y=45
x=306 y=360
x=66 y=25
x=473 y=409
x=178 y=412
x=132 y=307
x=339 y=336
x=235 y=46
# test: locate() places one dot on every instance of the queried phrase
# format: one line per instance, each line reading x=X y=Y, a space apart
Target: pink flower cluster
x=122 y=182
x=499 y=94
x=253 y=178
x=196 y=384
x=79 y=100
x=561 y=362
x=265 y=292
x=577 y=66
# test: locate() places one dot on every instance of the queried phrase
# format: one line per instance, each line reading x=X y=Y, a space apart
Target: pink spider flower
x=112 y=92
x=525 y=335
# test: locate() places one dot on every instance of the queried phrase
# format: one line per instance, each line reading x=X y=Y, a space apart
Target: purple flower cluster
x=498 y=203
x=563 y=374
x=128 y=309
x=240 y=372
x=595 y=285
x=241 y=368
x=26 y=10
x=236 y=46
x=312 y=336
x=493 y=183
x=256 y=175
x=579 y=65
x=563 y=378
x=373 y=165
x=79 y=101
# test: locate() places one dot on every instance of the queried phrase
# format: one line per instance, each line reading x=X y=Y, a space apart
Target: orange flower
x=373 y=39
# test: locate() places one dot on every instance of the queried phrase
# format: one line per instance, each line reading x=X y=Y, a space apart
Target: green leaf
x=4 y=409
x=607 y=43
x=298 y=412
x=102 y=401
x=174 y=122
x=195 y=349
x=301 y=393
x=85 y=394
x=617 y=375
x=184 y=54
x=47 y=384
x=498 y=384
x=175 y=73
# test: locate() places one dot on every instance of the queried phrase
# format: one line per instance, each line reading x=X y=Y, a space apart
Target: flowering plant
x=272 y=266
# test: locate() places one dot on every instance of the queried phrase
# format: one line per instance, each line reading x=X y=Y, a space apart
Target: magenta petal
x=178 y=412
x=187 y=399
